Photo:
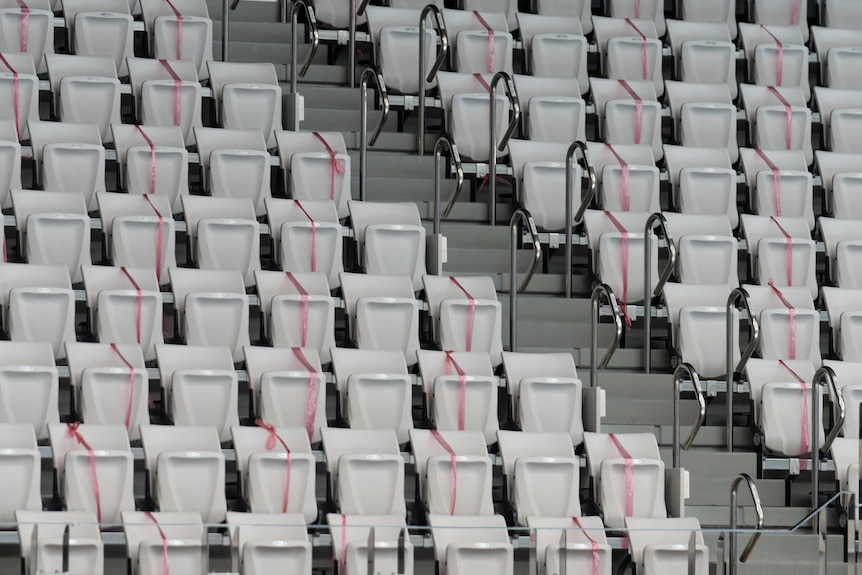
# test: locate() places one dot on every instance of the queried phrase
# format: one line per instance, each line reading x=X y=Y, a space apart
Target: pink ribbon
x=482 y=81
x=73 y=432
x=792 y=311
x=179 y=29
x=779 y=72
x=311 y=406
x=270 y=445
x=593 y=544
x=490 y=30
x=152 y=146
x=178 y=89
x=337 y=168
x=131 y=381
x=166 y=570
x=25 y=25
x=471 y=314
x=313 y=237
x=343 y=543
x=304 y=299
x=15 y=95
x=788 y=251
x=788 y=114
x=630 y=475
x=140 y=302
x=159 y=239
x=776 y=179
x=454 y=462
x=645 y=51
x=625 y=264
x=794 y=13
x=639 y=110
x=627 y=194
x=806 y=442
x=462 y=388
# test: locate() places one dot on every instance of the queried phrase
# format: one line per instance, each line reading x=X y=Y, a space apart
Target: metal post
x=733 y=536
x=224 y=27
x=445 y=142
x=591 y=173
x=738 y=294
x=685 y=369
x=351 y=48
x=440 y=25
x=520 y=215
x=823 y=376
x=595 y=302
x=369 y=73
x=512 y=94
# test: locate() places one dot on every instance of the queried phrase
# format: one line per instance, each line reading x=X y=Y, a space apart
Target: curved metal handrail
x=734 y=518
x=682 y=370
x=315 y=40
x=515 y=117
x=585 y=201
x=737 y=295
x=520 y=215
x=370 y=73
x=823 y=376
x=351 y=40
x=439 y=24
x=595 y=300
x=225 y=22
x=656 y=219
x=447 y=143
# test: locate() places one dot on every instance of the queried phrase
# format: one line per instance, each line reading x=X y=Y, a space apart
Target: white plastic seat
x=578 y=553
x=850 y=386
x=350 y=540
x=786 y=261
x=77 y=451
x=10 y=170
x=617 y=497
x=21 y=465
x=542 y=474
x=551 y=112
x=200 y=386
x=782 y=336
x=264 y=542
x=374 y=390
x=580 y=9
x=707 y=249
x=309 y=158
x=845 y=453
x=617 y=105
x=394 y=35
x=211 y=307
x=42 y=533
x=247 y=96
x=842 y=240
x=771 y=65
x=471 y=40
x=702 y=181
x=390 y=238
x=546 y=392
x=186 y=541
x=661 y=545
x=186 y=469
x=448 y=407
x=109 y=385
x=101 y=28
x=156 y=94
x=38 y=24
x=845 y=42
x=69 y=157
x=767 y=117
x=383 y=313
x=366 y=471
x=86 y=90
x=555 y=46
x=704 y=116
x=788 y=193
x=263 y=464
x=629 y=49
x=53 y=228
x=843 y=308
x=539 y=170
x=426 y=444
x=282 y=389
x=38 y=304
x=840 y=178
x=223 y=234
x=700 y=47
x=782 y=13
x=844 y=125
x=160 y=23
x=478 y=544
x=24 y=90
x=29 y=384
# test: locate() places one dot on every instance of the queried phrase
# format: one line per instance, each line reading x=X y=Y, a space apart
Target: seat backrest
x=357 y=286
x=171 y=358
x=339 y=441
x=600 y=446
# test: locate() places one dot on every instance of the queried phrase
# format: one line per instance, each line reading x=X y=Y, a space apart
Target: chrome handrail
x=606 y=291
x=520 y=215
x=823 y=376
x=734 y=519
x=370 y=73
x=439 y=24
x=225 y=9
x=315 y=41
x=351 y=40
x=512 y=94
x=445 y=142
x=738 y=294
x=682 y=370
x=585 y=201
x=656 y=219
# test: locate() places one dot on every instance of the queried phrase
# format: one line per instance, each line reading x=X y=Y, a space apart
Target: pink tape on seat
x=806 y=441
x=788 y=242
x=166 y=570
x=639 y=110
x=482 y=81
x=159 y=239
x=74 y=433
x=776 y=179
x=16 y=91
x=274 y=438
x=179 y=29
x=313 y=383
x=454 y=462
x=471 y=314
x=304 y=299
x=788 y=115
x=116 y=350
x=625 y=265
x=792 y=311
x=490 y=30
x=337 y=168
x=24 y=39
x=645 y=50
x=313 y=237
x=462 y=388
x=780 y=71
x=343 y=544
x=794 y=13
x=593 y=544
x=152 y=146
x=630 y=475
x=178 y=91
x=627 y=186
